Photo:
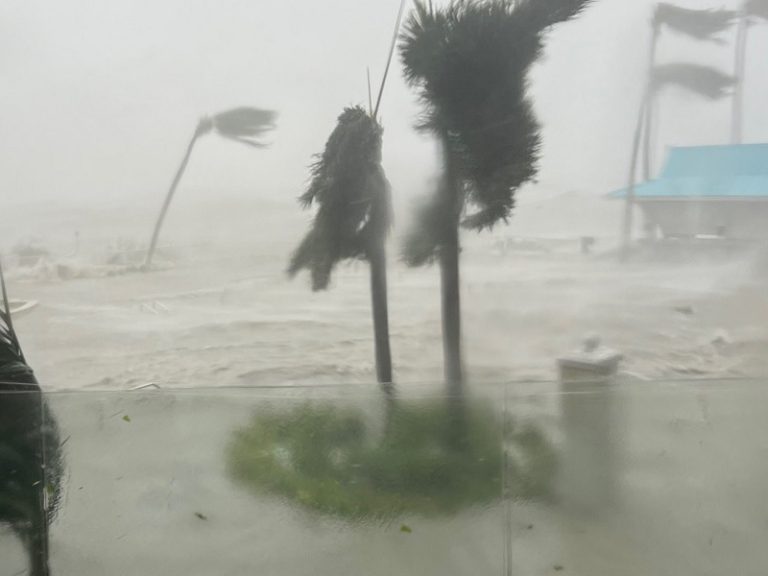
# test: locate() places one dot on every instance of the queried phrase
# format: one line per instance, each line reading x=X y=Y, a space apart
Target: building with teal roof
x=707 y=191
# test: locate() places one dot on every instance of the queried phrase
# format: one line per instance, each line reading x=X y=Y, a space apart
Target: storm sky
x=99 y=98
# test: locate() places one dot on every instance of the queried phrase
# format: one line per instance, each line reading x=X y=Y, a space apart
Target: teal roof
x=739 y=171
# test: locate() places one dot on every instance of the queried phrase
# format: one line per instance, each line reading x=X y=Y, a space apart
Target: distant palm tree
x=30 y=458
x=353 y=217
x=751 y=10
x=704 y=81
x=470 y=62
x=244 y=125
x=699 y=24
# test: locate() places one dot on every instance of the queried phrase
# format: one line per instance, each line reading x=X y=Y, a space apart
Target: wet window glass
x=409 y=287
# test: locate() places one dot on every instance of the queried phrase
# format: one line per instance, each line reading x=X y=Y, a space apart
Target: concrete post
x=589 y=415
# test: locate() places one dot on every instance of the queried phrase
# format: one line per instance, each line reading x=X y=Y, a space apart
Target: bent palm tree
x=244 y=125
x=699 y=24
x=469 y=62
x=703 y=81
x=354 y=210
x=353 y=217
x=30 y=460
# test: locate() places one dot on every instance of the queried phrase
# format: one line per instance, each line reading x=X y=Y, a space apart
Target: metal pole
x=389 y=56
x=630 y=191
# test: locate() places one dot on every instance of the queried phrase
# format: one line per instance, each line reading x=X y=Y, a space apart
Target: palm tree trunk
x=169 y=198
x=377 y=258
x=38 y=537
x=449 y=275
x=454 y=371
x=451 y=313
x=630 y=202
x=38 y=551
x=650 y=95
x=737 y=119
x=39 y=544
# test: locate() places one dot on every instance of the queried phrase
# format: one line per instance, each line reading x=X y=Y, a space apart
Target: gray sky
x=99 y=98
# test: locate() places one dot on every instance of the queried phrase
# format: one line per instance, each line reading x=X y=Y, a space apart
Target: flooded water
x=225 y=313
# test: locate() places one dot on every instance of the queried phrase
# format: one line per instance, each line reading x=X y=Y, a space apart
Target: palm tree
x=30 y=459
x=354 y=211
x=353 y=217
x=244 y=125
x=704 y=25
x=752 y=9
x=470 y=61
x=704 y=81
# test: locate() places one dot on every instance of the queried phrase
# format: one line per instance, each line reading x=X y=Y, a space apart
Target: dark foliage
x=351 y=195
x=245 y=125
x=469 y=62
x=757 y=8
x=699 y=24
x=30 y=458
x=705 y=81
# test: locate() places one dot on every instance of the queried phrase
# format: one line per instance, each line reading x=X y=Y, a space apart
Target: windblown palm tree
x=353 y=217
x=751 y=10
x=699 y=24
x=469 y=62
x=244 y=125
x=354 y=210
x=30 y=460
x=703 y=81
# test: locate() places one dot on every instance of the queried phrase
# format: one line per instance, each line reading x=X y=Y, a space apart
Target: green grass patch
x=427 y=458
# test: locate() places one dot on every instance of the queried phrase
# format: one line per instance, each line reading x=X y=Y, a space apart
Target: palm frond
x=31 y=464
x=551 y=12
x=702 y=80
x=351 y=195
x=699 y=24
x=13 y=366
x=757 y=8
x=245 y=124
x=250 y=142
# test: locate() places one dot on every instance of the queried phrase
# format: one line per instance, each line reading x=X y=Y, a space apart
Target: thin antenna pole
x=370 y=98
x=389 y=57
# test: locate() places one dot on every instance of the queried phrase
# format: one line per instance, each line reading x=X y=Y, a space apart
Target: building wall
x=736 y=219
